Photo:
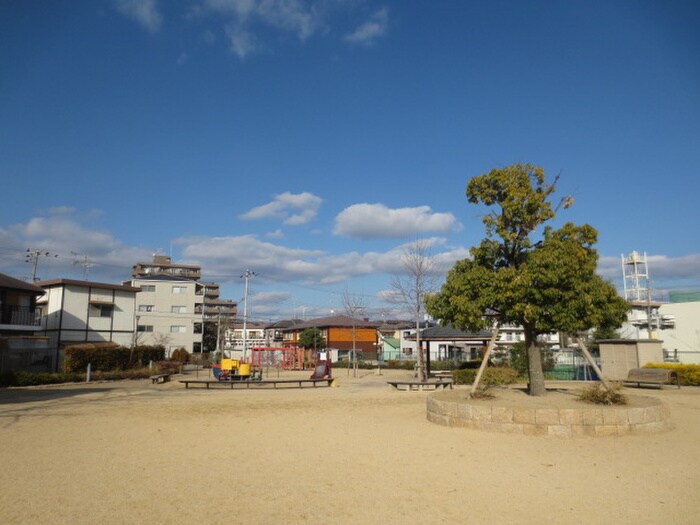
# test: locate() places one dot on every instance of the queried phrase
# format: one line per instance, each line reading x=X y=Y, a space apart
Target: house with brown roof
x=342 y=333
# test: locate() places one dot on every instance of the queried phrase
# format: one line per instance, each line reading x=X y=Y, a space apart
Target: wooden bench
x=160 y=378
x=441 y=374
x=294 y=383
x=408 y=386
x=652 y=376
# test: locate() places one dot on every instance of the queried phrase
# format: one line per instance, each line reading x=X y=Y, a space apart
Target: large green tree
x=312 y=339
x=543 y=284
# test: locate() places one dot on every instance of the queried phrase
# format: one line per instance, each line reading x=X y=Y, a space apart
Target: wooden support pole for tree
x=591 y=361
x=485 y=360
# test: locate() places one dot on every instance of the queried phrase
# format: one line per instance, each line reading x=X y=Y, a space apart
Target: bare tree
x=416 y=281
x=353 y=305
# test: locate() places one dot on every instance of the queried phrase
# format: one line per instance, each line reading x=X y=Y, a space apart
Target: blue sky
x=310 y=141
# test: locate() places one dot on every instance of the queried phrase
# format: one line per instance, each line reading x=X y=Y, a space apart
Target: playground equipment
x=234 y=370
x=323 y=368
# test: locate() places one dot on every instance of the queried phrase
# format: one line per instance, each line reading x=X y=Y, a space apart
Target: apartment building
x=169 y=312
x=83 y=311
x=223 y=311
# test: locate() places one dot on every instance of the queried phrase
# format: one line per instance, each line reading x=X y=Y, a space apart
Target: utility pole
x=204 y=297
x=32 y=257
x=247 y=275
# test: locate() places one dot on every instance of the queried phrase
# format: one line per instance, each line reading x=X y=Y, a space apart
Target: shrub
x=519 y=360
x=20 y=378
x=181 y=356
x=599 y=395
x=109 y=356
x=400 y=365
x=687 y=374
x=443 y=364
x=491 y=377
x=470 y=365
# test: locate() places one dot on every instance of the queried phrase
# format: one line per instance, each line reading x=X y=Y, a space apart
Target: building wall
x=165 y=324
x=73 y=313
x=683 y=340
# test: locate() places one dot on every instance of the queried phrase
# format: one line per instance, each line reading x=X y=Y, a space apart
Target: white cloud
x=241 y=41
x=277 y=234
x=293 y=208
x=145 y=12
x=368 y=32
x=62 y=233
x=292 y=16
x=377 y=221
x=225 y=258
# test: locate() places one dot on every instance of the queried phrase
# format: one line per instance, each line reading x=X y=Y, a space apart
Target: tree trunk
x=419 y=348
x=534 y=356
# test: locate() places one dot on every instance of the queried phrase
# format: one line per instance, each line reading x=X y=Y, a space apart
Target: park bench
x=441 y=374
x=298 y=383
x=652 y=376
x=408 y=386
x=160 y=378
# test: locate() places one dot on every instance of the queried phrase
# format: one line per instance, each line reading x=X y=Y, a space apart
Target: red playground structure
x=323 y=368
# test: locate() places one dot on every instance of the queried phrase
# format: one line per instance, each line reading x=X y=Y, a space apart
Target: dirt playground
x=361 y=453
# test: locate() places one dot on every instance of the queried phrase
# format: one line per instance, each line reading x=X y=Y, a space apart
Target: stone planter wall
x=586 y=420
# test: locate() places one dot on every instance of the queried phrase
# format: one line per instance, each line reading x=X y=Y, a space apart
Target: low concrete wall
x=648 y=415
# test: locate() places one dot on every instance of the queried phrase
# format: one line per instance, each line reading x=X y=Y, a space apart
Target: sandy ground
x=133 y=452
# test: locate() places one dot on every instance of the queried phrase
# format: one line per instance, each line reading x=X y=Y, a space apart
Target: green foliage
x=490 y=377
x=443 y=364
x=312 y=338
x=470 y=365
x=599 y=395
x=544 y=286
x=518 y=359
x=20 y=378
x=361 y=364
x=109 y=357
x=398 y=364
x=687 y=374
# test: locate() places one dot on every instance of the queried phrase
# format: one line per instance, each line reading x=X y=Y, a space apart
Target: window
x=148 y=287
x=177 y=329
x=408 y=351
x=179 y=289
x=101 y=310
x=146 y=307
x=144 y=328
x=179 y=309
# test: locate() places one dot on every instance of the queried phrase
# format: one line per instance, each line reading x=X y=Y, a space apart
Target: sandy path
x=132 y=452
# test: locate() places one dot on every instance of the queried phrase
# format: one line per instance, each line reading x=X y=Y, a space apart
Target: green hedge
x=688 y=375
x=492 y=376
x=109 y=357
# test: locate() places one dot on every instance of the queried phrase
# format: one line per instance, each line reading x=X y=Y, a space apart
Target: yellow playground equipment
x=234 y=370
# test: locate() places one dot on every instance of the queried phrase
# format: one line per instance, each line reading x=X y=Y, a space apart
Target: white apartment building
x=169 y=312
x=255 y=334
x=82 y=311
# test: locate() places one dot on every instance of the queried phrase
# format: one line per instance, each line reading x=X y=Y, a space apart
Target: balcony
x=19 y=318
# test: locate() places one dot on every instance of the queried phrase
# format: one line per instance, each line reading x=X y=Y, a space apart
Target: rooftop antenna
x=82 y=260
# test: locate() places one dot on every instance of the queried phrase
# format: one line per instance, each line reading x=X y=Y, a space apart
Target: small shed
x=619 y=356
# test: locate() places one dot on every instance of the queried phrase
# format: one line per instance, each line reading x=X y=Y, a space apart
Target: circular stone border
x=454 y=409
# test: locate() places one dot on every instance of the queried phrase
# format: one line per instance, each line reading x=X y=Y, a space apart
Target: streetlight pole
x=247 y=275
x=204 y=297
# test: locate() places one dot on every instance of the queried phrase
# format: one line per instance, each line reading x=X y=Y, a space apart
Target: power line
x=32 y=257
